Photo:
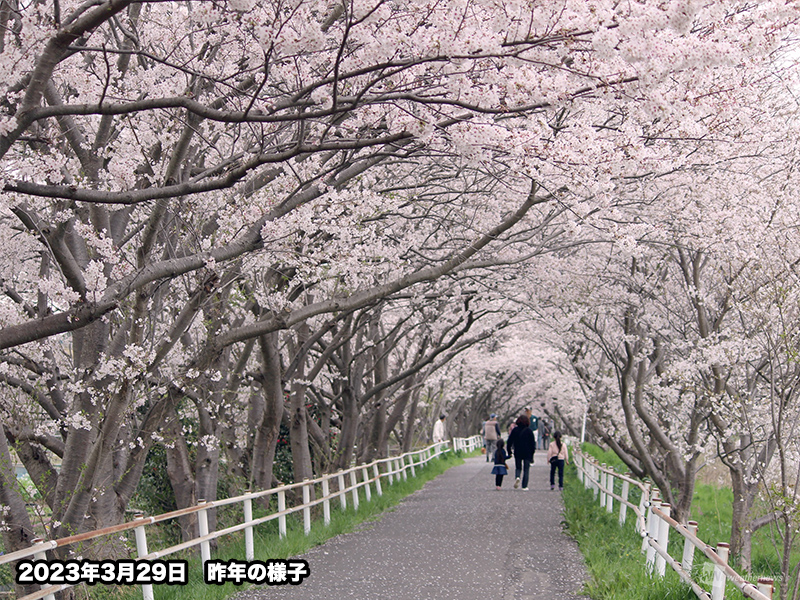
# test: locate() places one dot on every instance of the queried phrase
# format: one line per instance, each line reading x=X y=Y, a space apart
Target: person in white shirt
x=438 y=430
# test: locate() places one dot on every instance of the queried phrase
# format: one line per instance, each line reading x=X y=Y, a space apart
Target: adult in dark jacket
x=522 y=444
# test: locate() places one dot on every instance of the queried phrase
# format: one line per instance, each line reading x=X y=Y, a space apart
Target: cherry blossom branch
x=364 y=297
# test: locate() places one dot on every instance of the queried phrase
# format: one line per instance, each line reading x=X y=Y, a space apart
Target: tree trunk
x=410 y=428
x=16 y=525
x=298 y=428
x=269 y=427
x=179 y=471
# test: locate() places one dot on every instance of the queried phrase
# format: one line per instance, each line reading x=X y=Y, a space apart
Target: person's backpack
x=534 y=423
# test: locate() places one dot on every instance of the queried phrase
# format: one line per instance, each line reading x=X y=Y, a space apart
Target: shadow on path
x=457 y=537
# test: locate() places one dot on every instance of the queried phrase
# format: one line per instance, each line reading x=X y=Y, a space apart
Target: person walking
x=491 y=434
x=500 y=467
x=438 y=430
x=545 y=435
x=557 y=456
x=522 y=445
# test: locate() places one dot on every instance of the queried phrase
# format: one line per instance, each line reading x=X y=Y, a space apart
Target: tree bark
x=16 y=525
x=268 y=430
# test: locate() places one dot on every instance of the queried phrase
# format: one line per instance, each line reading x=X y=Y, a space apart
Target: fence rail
x=361 y=476
x=653 y=523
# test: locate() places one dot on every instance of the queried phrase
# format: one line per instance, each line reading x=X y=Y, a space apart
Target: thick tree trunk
x=298 y=433
x=268 y=431
x=207 y=463
x=410 y=429
x=298 y=428
x=179 y=471
x=396 y=415
x=347 y=436
x=16 y=525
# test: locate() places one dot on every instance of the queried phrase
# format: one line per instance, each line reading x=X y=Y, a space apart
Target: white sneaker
x=516 y=483
x=524 y=489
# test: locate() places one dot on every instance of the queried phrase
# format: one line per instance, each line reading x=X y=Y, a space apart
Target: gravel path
x=457 y=537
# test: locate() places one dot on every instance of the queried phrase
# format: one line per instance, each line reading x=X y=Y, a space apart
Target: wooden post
x=623 y=507
x=652 y=532
x=202 y=522
x=643 y=508
x=353 y=484
x=306 y=508
x=326 y=503
x=766 y=587
x=377 y=472
x=687 y=562
x=602 y=482
x=42 y=555
x=663 y=541
x=249 y=547
x=342 y=493
x=588 y=465
x=718 y=586
x=282 y=517
x=367 y=490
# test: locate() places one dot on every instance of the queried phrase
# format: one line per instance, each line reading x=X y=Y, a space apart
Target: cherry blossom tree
x=196 y=192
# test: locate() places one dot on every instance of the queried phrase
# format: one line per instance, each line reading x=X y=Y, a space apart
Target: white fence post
x=718 y=586
x=342 y=493
x=141 y=550
x=377 y=472
x=585 y=472
x=687 y=562
x=282 y=517
x=610 y=480
x=765 y=586
x=602 y=480
x=623 y=506
x=353 y=484
x=401 y=462
x=663 y=541
x=389 y=471
x=652 y=533
x=411 y=462
x=202 y=522
x=326 y=503
x=42 y=555
x=367 y=490
x=642 y=509
x=306 y=509
x=249 y=548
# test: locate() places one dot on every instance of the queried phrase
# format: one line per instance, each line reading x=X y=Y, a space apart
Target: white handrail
x=396 y=467
x=654 y=527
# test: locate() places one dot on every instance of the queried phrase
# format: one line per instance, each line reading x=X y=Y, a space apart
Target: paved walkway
x=457 y=537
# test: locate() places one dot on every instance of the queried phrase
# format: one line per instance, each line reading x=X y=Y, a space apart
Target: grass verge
x=613 y=554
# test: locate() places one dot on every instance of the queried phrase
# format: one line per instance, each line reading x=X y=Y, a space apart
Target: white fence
x=348 y=481
x=653 y=523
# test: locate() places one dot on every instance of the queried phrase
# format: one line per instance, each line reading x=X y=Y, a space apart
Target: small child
x=500 y=466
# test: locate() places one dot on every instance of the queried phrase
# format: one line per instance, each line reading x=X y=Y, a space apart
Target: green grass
x=609 y=457
x=712 y=508
x=268 y=545
x=613 y=554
